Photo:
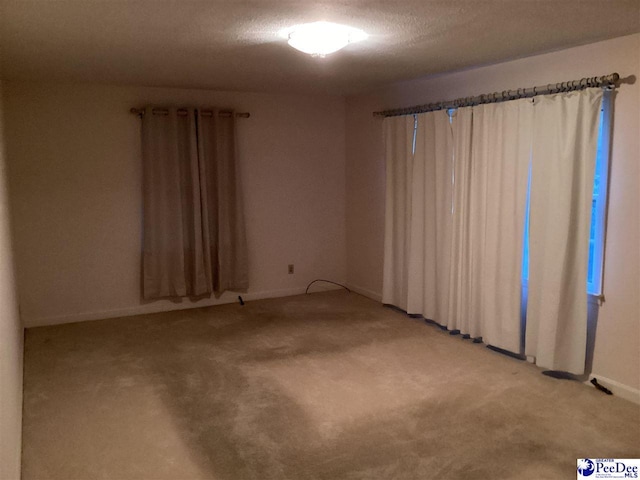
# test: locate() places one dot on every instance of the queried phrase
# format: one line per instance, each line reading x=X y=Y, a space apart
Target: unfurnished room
x=274 y=239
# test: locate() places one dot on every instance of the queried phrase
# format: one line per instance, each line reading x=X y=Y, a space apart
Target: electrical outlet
x=290 y=269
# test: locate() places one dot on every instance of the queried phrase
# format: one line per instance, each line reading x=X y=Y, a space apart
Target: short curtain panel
x=194 y=234
x=455 y=215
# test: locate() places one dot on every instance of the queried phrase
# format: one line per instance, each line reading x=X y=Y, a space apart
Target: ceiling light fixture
x=322 y=38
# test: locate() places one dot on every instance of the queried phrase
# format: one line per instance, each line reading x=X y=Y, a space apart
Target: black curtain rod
x=182 y=112
x=590 y=82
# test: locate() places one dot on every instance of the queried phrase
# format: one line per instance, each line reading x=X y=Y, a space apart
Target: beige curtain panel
x=194 y=234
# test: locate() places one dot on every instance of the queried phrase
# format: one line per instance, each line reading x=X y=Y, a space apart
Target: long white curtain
x=398 y=137
x=456 y=216
x=565 y=137
x=453 y=194
x=500 y=164
x=431 y=203
x=460 y=316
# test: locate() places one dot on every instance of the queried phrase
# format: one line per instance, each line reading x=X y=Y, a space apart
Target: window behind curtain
x=599 y=204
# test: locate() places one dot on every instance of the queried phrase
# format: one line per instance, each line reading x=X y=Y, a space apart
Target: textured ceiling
x=234 y=44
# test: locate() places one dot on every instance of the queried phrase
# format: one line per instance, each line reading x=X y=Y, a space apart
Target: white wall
x=10 y=342
x=75 y=183
x=617 y=348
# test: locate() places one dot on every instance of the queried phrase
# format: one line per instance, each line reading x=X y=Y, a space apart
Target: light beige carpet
x=323 y=386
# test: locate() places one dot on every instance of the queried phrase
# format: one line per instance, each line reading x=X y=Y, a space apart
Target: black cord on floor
x=595 y=383
x=328 y=281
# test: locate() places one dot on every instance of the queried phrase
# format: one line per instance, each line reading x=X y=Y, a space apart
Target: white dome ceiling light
x=322 y=38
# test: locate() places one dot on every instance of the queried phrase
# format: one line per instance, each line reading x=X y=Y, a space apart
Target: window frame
x=597 y=234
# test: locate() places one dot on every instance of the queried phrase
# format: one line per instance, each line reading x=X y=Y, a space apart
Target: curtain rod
x=182 y=112
x=603 y=81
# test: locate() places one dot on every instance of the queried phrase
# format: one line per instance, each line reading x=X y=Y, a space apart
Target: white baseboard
x=619 y=389
x=365 y=292
x=161 y=306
